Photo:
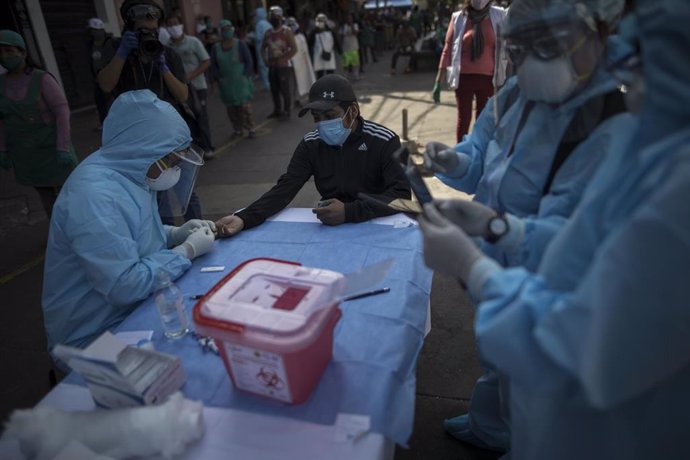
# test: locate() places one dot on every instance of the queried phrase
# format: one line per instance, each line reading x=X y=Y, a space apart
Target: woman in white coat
x=473 y=58
x=324 y=45
x=301 y=63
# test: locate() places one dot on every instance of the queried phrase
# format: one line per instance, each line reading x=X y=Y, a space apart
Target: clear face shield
x=185 y=164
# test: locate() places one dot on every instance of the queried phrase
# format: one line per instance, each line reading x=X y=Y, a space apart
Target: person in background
x=324 y=44
x=277 y=49
x=473 y=60
x=261 y=26
x=532 y=154
x=96 y=40
x=139 y=61
x=232 y=67
x=350 y=57
x=196 y=61
x=346 y=154
x=106 y=241
x=366 y=44
x=209 y=35
x=34 y=123
x=594 y=345
x=303 y=72
x=405 y=38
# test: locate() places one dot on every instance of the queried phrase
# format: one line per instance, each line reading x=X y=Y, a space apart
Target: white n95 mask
x=166 y=180
x=551 y=81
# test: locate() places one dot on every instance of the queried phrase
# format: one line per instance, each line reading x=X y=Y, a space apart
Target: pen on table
x=367 y=294
x=196 y=296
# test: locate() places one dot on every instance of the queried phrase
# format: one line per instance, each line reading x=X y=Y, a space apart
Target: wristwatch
x=496 y=228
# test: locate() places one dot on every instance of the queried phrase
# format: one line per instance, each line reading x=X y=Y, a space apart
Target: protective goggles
x=174 y=201
x=546 y=46
x=138 y=12
x=626 y=69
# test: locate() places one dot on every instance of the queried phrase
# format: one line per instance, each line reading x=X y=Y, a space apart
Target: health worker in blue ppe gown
x=106 y=241
x=595 y=344
x=261 y=26
x=529 y=169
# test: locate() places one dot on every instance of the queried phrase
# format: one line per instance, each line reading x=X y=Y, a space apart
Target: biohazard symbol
x=270 y=379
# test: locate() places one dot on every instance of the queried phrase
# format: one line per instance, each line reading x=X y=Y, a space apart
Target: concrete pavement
x=241 y=172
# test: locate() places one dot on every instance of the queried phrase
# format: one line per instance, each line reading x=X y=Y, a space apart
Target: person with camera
x=139 y=60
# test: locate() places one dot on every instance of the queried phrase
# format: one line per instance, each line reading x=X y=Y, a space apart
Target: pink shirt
x=486 y=63
x=52 y=103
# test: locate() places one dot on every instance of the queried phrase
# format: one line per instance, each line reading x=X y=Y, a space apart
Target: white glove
x=471 y=216
x=447 y=249
x=198 y=243
x=176 y=235
x=442 y=159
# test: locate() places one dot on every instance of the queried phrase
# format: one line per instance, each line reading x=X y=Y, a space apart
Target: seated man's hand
x=229 y=226
x=331 y=214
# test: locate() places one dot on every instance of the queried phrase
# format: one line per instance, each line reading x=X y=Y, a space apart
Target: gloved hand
x=198 y=243
x=229 y=226
x=5 y=162
x=128 y=43
x=440 y=158
x=447 y=249
x=472 y=217
x=64 y=158
x=177 y=235
x=437 y=92
x=162 y=64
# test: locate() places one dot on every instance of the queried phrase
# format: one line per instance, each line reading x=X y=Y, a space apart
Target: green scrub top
x=31 y=143
x=235 y=88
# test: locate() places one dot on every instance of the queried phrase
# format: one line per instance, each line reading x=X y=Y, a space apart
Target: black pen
x=367 y=294
x=196 y=297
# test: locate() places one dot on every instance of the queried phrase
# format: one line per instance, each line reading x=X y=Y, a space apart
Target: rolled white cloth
x=118 y=433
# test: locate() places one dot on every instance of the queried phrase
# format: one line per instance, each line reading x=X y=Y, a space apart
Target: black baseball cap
x=328 y=92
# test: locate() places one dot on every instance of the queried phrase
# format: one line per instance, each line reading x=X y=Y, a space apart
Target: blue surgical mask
x=333 y=132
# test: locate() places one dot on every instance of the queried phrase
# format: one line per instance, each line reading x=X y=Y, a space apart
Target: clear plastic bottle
x=170 y=304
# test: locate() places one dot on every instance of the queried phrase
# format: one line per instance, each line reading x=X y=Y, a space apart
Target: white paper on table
x=305 y=215
x=134 y=337
x=231 y=433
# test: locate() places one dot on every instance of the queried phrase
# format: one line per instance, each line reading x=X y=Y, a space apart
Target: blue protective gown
x=514 y=182
x=261 y=25
x=596 y=344
x=106 y=240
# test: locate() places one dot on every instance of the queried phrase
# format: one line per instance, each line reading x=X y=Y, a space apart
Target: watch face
x=498 y=226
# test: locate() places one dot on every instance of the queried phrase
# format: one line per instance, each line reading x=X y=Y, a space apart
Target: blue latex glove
x=128 y=43
x=162 y=64
x=64 y=158
x=5 y=162
x=447 y=248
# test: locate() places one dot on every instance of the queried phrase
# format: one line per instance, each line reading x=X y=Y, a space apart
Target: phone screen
x=418 y=185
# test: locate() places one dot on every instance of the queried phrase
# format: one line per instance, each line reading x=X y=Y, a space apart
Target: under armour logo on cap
x=329 y=94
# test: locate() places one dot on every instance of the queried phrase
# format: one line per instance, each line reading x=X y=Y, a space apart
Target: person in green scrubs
x=232 y=67
x=34 y=123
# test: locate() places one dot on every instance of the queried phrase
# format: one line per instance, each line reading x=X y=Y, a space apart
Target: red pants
x=471 y=85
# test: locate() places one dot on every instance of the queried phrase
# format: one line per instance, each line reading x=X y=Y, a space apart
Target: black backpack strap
x=613 y=104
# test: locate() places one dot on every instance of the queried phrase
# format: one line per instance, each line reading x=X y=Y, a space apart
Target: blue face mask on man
x=333 y=132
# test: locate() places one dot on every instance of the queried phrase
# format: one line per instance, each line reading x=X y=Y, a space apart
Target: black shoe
x=284 y=115
x=274 y=114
